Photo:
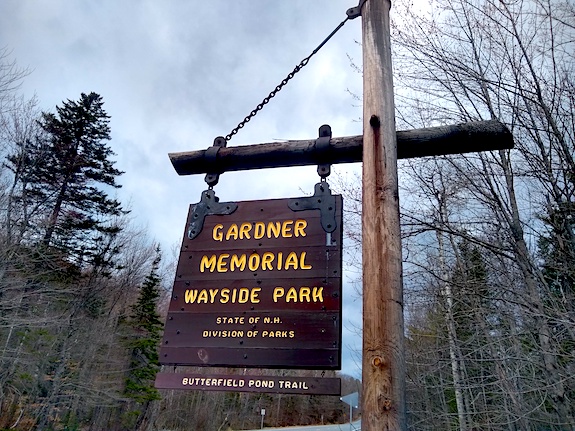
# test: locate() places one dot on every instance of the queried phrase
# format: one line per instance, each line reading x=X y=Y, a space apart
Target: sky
x=176 y=74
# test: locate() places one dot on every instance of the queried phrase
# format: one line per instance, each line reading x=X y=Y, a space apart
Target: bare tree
x=468 y=60
x=11 y=77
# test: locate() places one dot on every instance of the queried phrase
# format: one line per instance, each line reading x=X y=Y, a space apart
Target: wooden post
x=383 y=374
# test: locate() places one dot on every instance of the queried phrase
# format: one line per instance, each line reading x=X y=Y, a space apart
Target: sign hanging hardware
x=211 y=156
x=211 y=153
x=354 y=12
x=209 y=205
x=323 y=201
x=322 y=147
x=300 y=66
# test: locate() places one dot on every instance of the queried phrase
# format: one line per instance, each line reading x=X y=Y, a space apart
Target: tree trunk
x=454 y=352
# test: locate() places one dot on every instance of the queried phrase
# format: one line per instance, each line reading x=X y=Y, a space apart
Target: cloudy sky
x=175 y=74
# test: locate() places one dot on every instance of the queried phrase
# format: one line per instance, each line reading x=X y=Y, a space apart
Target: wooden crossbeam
x=433 y=141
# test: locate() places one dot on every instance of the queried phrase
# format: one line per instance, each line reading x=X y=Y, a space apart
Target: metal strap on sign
x=209 y=205
x=322 y=200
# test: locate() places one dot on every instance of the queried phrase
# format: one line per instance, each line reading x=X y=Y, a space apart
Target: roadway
x=356 y=426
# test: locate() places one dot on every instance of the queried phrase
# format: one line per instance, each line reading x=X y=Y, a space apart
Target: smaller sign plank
x=260 y=295
x=260 y=263
x=316 y=359
x=297 y=330
x=259 y=384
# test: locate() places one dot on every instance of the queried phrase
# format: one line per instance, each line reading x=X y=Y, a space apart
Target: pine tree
x=72 y=179
x=147 y=328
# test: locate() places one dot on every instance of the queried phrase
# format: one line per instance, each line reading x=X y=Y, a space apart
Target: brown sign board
x=259 y=287
x=261 y=384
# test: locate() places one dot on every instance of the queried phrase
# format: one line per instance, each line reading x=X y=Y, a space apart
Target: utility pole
x=383 y=364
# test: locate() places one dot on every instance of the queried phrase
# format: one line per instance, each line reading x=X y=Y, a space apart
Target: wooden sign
x=258 y=287
x=261 y=384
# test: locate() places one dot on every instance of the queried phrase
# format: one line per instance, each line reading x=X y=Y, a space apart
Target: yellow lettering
x=254 y=262
x=274 y=229
x=278 y=334
x=213 y=293
x=244 y=295
x=191 y=296
x=238 y=262
x=225 y=296
x=208 y=262
x=302 y=263
x=286 y=229
x=232 y=232
x=217 y=232
x=291 y=295
x=317 y=294
x=254 y=295
x=225 y=320
x=295 y=294
x=278 y=293
x=271 y=229
x=222 y=263
x=299 y=227
x=245 y=230
x=267 y=259
x=203 y=296
x=291 y=260
x=259 y=230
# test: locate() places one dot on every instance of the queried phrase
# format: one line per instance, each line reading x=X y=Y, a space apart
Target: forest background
x=488 y=244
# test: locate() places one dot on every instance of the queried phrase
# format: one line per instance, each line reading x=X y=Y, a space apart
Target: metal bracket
x=354 y=12
x=209 y=205
x=322 y=145
x=211 y=156
x=322 y=200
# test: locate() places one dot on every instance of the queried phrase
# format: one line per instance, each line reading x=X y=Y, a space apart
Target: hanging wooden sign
x=258 y=284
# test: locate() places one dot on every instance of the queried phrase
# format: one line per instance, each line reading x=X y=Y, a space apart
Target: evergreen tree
x=72 y=177
x=147 y=328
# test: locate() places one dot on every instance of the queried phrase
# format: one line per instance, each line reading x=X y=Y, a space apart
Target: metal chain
x=272 y=94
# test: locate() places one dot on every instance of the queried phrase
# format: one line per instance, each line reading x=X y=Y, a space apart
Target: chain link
x=272 y=94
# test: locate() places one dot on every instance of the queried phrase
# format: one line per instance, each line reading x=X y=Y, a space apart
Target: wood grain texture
x=258 y=384
x=383 y=378
x=432 y=141
x=256 y=314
